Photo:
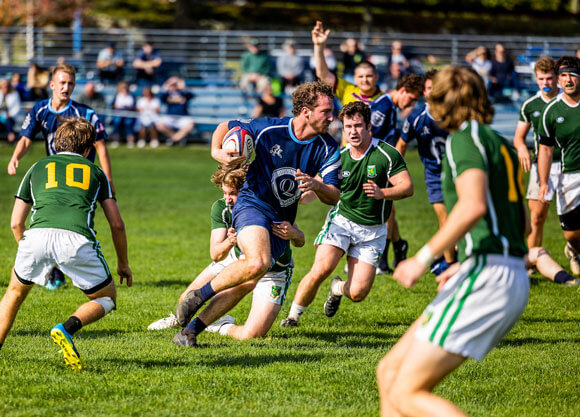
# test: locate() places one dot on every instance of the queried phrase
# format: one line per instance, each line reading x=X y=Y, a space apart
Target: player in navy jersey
x=421 y=126
x=289 y=153
x=384 y=127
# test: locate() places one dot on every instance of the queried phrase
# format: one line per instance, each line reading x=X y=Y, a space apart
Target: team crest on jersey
x=371 y=171
x=406 y=126
x=426 y=317
x=345 y=174
x=560 y=120
x=276 y=151
x=536 y=114
x=26 y=122
x=285 y=186
x=426 y=130
x=276 y=292
x=377 y=118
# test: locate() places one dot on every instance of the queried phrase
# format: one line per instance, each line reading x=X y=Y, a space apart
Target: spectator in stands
x=149 y=107
x=176 y=125
x=502 y=73
x=269 y=105
x=122 y=124
x=255 y=68
x=328 y=57
x=394 y=75
x=290 y=66
x=92 y=98
x=19 y=86
x=578 y=53
x=147 y=64
x=480 y=62
x=397 y=56
x=110 y=64
x=37 y=81
x=9 y=109
x=352 y=55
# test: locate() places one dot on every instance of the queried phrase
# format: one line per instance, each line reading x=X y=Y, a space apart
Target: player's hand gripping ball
x=239 y=142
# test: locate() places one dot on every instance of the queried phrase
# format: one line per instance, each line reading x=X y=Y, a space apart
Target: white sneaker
x=154 y=143
x=141 y=143
x=216 y=326
x=573 y=258
x=164 y=323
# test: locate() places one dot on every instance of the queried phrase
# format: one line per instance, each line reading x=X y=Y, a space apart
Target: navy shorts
x=433 y=182
x=247 y=214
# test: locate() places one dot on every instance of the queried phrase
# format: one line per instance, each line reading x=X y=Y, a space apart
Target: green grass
x=326 y=367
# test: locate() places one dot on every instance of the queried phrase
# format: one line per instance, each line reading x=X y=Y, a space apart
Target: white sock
x=296 y=311
x=224 y=328
x=336 y=287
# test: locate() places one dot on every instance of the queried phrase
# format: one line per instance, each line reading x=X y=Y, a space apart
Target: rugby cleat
x=186 y=338
x=333 y=301
x=164 y=323
x=400 y=251
x=572 y=282
x=217 y=325
x=573 y=258
x=288 y=322
x=63 y=339
x=381 y=271
x=188 y=307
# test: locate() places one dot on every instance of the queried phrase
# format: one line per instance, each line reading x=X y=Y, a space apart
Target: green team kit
x=531 y=112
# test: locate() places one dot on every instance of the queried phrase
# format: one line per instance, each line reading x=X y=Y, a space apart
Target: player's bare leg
x=259 y=321
x=15 y=295
x=538 y=216
x=225 y=301
x=548 y=267
x=572 y=249
x=361 y=276
x=203 y=278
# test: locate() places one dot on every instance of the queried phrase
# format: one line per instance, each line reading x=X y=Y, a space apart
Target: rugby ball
x=238 y=141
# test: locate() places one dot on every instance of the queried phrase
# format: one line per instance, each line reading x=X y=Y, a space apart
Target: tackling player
x=560 y=126
x=483 y=297
x=62 y=191
x=289 y=154
x=373 y=174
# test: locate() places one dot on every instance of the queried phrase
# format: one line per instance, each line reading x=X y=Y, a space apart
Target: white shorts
x=217 y=267
x=478 y=306
x=175 y=122
x=364 y=243
x=76 y=256
x=568 y=193
x=273 y=286
x=553 y=181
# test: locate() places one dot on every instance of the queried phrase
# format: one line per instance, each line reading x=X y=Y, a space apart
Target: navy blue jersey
x=431 y=138
x=42 y=118
x=383 y=118
x=271 y=183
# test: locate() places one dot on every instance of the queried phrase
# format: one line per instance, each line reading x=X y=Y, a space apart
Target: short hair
x=459 y=95
x=307 y=94
x=567 y=61
x=232 y=177
x=545 y=64
x=356 y=107
x=66 y=68
x=74 y=134
x=413 y=83
x=366 y=64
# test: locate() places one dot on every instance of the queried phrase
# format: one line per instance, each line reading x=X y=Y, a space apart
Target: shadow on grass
x=353 y=339
x=549 y=320
x=181 y=283
x=83 y=334
x=537 y=341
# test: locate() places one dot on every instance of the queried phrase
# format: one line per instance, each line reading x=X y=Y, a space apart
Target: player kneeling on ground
x=481 y=298
x=62 y=190
x=373 y=174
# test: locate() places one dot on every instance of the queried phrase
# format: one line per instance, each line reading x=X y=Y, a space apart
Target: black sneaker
x=288 y=322
x=333 y=301
x=186 y=338
x=188 y=307
x=400 y=251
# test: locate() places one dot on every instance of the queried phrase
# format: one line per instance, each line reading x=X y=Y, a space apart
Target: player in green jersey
x=530 y=117
x=373 y=174
x=482 y=297
x=62 y=191
x=560 y=126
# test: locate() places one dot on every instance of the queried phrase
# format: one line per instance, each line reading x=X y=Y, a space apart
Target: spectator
x=352 y=55
x=479 y=61
x=147 y=64
x=502 y=73
x=92 y=98
x=255 y=68
x=19 y=86
x=9 y=109
x=290 y=66
x=578 y=53
x=394 y=75
x=37 y=81
x=149 y=107
x=123 y=125
x=110 y=64
x=176 y=125
x=397 y=56
x=269 y=105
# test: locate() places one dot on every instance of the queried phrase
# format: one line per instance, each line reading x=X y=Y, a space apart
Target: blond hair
x=545 y=64
x=74 y=134
x=459 y=95
x=66 y=68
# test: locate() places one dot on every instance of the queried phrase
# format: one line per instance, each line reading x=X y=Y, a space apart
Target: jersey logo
x=377 y=118
x=426 y=130
x=536 y=114
x=345 y=174
x=285 y=186
x=26 y=122
x=276 y=151
x=276 y=292
x=406 y=126
x=560 y=120
x=371 y=171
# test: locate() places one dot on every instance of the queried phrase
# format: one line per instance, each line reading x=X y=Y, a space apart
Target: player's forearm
x=545 y=155
x=18 y=220
x=401 y=146
x=21 y=148
x=120 y=242
x=216 y=140
x=298 y=240
x=328 y=194
x=219 y=251
x=322 y=71
x=399 y=191
x=105 y=161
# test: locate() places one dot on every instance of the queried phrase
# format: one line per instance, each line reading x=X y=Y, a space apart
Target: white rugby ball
x=239 y=142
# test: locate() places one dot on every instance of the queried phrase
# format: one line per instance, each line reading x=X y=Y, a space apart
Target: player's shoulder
x=80 y=106
x=384 y=147
x=418 y=113
x=383 y=100
x=219 y=204
x=39 y=106
x=553 y=107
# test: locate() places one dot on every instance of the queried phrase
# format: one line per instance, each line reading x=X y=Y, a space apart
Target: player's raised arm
x=119 y=239
x=319 y=38
x=222 y=156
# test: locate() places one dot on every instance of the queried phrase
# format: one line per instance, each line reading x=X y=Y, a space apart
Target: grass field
x=325 y=367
